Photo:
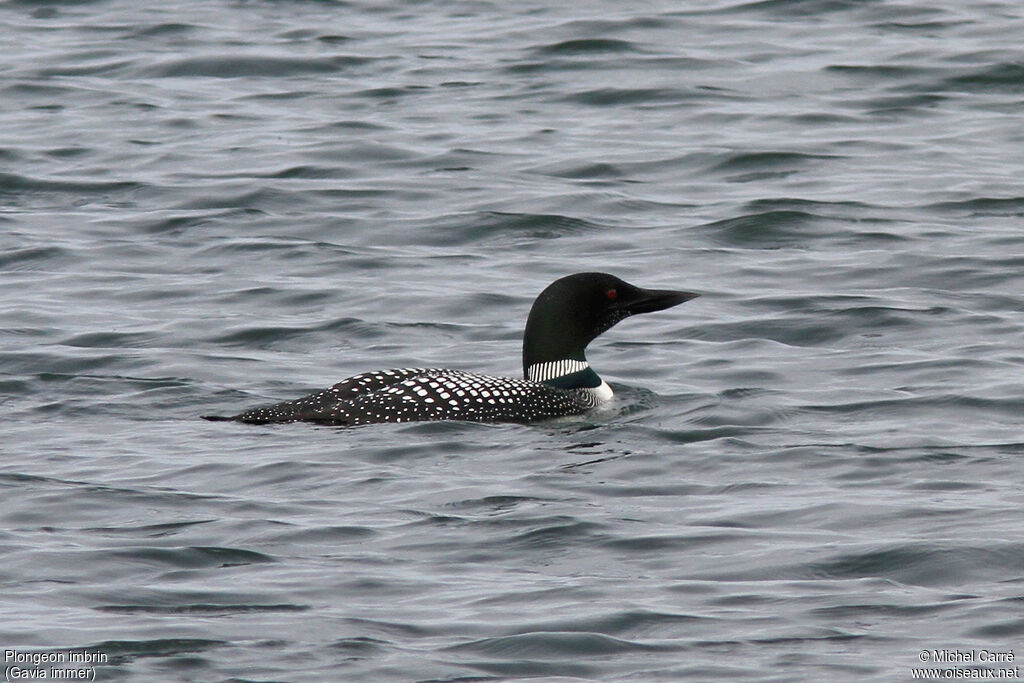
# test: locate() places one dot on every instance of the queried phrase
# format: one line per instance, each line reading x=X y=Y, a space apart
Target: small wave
x=670 y=542
x=12 y=183
x=1004 y=77
x=352 y=125
x=585 y=171
x=34 y=257
x=148 y=530
x=119 y=650
x=798 y=8
x=311 y=172
x=890 y=105
x=555 y=645
x=1004 y=630
x=926 y=565
x=587 y=46
x=464 y=229
x=875 y=72
x=553 y=532
x=982 y=206
x=391 y=93
x=195 y=556
x=245 y=66
x=933 y=404
x=268 y=336
x=614 y=97
x=320 y=535
x=490 y=504
x=164 y=29
x=764 y=230
x=393 y=628
x=359 y=647
x=174 y=223
x=99 y=69
x=37 y=89
x=200 y=608
x=766 y=161
x=623 y=624
x=110 y=340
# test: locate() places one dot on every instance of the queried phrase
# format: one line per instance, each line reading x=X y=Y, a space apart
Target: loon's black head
x=574 y=310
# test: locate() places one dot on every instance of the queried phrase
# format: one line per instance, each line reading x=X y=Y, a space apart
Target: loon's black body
x=558 y=382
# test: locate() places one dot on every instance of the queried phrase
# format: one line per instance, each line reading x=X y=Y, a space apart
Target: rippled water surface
x=810 y=473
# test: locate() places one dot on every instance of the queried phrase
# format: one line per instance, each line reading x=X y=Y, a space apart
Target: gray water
x=810 y=473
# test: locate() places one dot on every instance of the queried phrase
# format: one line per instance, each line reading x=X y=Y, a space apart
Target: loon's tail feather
x=259 y=416
x=288 y=411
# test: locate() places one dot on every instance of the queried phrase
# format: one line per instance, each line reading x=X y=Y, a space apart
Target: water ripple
x=809 y=473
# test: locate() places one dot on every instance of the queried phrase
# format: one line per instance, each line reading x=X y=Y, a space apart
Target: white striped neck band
x=542 y=372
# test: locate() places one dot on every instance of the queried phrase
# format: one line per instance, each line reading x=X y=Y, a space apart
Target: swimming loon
x=558 y=381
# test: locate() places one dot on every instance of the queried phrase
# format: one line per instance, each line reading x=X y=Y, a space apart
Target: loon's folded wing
x=319 y=403
x=441 y=394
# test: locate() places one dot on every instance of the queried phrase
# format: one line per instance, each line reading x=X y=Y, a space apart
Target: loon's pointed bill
x=651 y=300
x=558 y=381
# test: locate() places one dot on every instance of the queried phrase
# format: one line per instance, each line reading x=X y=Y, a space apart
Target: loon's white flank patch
x=601 y=394
x=541 y=372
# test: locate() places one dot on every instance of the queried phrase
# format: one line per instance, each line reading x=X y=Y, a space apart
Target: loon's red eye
x=611 y=294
